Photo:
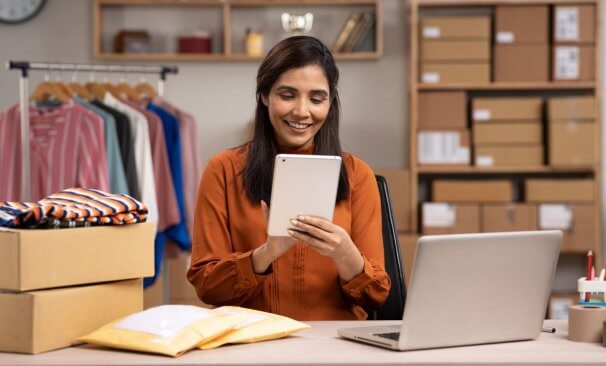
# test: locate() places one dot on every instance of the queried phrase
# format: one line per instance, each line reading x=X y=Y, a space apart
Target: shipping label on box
x=436 y=214
x=567 y=23
x=443 y=148
x=555 y=217
x=460 y=28
x=431 y=32
x=567 y=63
x=505 y=37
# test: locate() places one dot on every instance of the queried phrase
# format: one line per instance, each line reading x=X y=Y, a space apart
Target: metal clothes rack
x=26 y=66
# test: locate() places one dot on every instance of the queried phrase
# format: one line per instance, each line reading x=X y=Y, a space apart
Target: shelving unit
x=221 y=16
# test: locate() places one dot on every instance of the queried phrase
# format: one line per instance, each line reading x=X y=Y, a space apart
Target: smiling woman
x=326 y=269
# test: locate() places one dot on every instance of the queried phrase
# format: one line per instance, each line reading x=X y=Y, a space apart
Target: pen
x=548 y=329
x=589 y=266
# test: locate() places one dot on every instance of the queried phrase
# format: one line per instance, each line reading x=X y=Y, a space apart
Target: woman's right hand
x=272 y=249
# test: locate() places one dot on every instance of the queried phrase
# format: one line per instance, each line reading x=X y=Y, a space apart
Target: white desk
x=320 y=345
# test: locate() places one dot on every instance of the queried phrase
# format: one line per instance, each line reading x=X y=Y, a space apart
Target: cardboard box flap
x=450 y=27
x=571 y=108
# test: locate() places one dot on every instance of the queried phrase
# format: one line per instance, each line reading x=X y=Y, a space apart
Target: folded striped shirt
x=73 y=207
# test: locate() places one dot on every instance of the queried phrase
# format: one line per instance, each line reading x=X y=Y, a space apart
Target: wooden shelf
x=176 y=57
x=469 y=169
x=579 y=85
x=462 y=3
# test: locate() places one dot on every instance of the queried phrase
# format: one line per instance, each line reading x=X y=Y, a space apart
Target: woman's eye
x=317 y=100
x=286 y=96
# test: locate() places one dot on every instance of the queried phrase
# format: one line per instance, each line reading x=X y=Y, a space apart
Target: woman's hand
x=271 y=250
x=330 y=240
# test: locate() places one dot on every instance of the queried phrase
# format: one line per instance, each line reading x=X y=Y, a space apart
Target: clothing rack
x=26 y=66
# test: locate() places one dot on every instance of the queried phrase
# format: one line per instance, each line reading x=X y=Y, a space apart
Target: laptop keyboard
x=395 y=335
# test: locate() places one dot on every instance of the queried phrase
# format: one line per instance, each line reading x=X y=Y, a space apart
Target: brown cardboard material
x=571 y=108
x=462 y=191
x=514 y=155
x=559 y=190
x=398 y=182
x=510 y=217
x=179 y=287
x=448 y=51
x=573 y=63
x=507 y=109
x=506 y=133
x=408 y=250
x=467 y=221
x=37 y=258
x=572 y=143
x=558 y=302
x=444 y=73
x=582 y=235
x=520 y=24
x=154 y=295
x=476 y=27
x=521 y=62
x=585 y=27
x=442 y=110
x=44 y=320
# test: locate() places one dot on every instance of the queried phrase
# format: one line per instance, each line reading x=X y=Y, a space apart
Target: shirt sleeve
x=220 y=275
x=370 y=288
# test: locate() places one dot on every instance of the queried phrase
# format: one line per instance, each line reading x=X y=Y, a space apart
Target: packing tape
x=585 y=323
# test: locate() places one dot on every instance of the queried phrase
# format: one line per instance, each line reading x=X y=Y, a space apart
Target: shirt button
x=247 y=282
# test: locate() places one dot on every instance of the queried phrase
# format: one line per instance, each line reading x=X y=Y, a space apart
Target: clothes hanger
x=79 y=90
x=48 y=89
x=146 y=89
x=122 y=88
x=97 y=90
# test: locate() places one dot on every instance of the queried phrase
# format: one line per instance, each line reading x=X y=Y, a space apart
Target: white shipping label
x=441 y=148
x=481 y=115
x=431 y=32
x=567 y=63
x=431 y=77
x=558 y=308
x=250 y=318
x=505 y=37
x=567 y=23
x=484 y=160
x=165 y=320
x=555 y=217
x=439 y=214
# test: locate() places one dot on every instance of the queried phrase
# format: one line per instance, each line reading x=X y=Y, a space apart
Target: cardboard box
x=461 y=191
x=520 y=24
x=559 y=305
x=571 y=108
x=398 y=181
x=449 y=27
x=510 y=217
x=574 y=23
x=443 y=219
x=582 y=235
x=44 y=320
x=559 y=190
x=465 y=50
x=154 y=295
x=507 y=109
x=444 y=73
x=442 y=110
x=506 y=133
x=522 y=155
x=444 y=147
x=39 y=258
x=408 y=250
x=521 y=62
x=572 y=143
x=574 y=63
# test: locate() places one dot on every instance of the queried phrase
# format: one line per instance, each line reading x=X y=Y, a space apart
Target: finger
x=318 y=222
x=309 y=239
x=313 y=230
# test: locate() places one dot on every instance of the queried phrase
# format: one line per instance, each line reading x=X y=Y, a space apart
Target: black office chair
x=393 y=308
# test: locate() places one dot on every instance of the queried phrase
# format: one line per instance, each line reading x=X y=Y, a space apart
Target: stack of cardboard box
x=574 y=42
x=521 y=43
x=507 y=131
x=55 y=284
x=455 y=49
x=572 y=131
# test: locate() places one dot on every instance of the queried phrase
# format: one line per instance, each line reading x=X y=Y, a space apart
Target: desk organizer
x=584 y=285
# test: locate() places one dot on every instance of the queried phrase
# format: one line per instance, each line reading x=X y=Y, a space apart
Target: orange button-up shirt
x=300 y=284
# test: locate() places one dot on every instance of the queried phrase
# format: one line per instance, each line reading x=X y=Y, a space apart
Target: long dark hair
x=291 y=53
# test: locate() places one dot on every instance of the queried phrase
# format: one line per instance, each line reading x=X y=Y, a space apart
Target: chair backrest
x=393 y=308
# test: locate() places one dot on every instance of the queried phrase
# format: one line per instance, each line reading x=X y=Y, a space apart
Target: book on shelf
x=359 y=32
x=346 y=31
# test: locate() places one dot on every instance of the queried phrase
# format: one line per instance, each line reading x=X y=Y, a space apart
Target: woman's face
x=298 y=104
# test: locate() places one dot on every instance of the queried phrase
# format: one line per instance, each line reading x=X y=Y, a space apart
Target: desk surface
x=320 y=345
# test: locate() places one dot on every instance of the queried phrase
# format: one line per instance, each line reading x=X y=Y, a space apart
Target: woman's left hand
x=330 y=240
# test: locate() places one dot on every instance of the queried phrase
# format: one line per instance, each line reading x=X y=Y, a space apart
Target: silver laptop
x=472 y=289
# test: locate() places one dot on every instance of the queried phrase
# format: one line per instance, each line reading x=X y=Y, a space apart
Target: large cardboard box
x=510 y=217
x=39 y=258
x=398 y=182
x=574 y=63
x=461 y=50
x=442 y=110
x=582 y=235
x=507 y=109
x=521 y=24
x=572 y=143
x=462 y=191
x=408 y=250
x=44 y=320
x=574 y=23
x=559 y=304
x=514 y=155
x=444 y=73
x=443 y=147
x=452 y=28
x=156 y=294
x=571 y=108
x=507 y=133
x=560 y=190
x=443 y=218
x=521 y=62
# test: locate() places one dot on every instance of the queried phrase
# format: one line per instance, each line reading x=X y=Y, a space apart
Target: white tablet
x=302 y=185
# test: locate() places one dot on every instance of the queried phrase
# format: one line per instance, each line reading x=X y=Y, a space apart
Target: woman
x=331 y=270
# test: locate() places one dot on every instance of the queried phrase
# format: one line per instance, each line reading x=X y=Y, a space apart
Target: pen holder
x=584 y=285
